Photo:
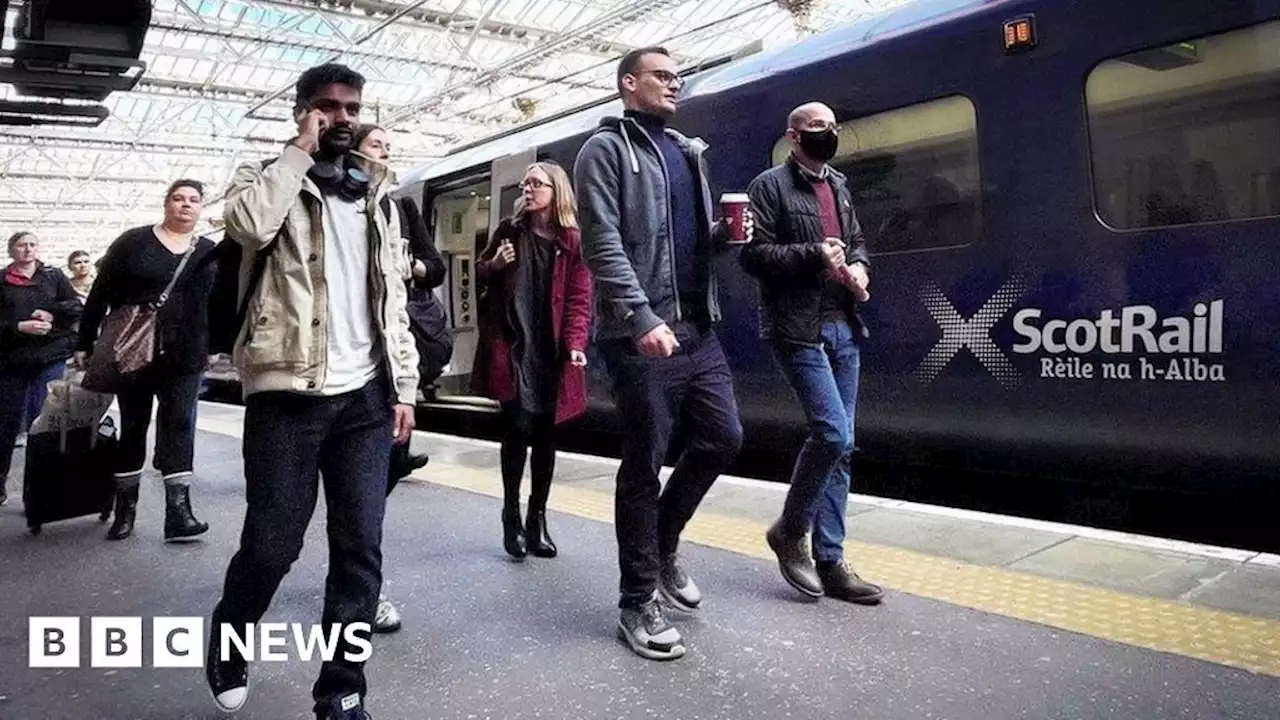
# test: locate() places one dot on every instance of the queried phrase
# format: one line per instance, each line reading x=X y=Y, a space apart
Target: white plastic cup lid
x=735 y=198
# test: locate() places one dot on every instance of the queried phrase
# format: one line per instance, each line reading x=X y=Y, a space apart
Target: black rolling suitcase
x=70 y=458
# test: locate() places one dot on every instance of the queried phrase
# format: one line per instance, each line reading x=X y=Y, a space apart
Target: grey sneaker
x=649 y=633
x=387 y=618
x=677 y=588
x=794 y=561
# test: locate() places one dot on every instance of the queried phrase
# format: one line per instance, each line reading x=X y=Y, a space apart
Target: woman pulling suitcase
x=38 y=310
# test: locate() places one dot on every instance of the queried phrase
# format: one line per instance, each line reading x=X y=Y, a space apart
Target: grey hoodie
x=627 y=241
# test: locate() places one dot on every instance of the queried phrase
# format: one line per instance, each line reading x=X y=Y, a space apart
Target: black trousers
x=175 y=392
x=289 y=439
x=695 y=388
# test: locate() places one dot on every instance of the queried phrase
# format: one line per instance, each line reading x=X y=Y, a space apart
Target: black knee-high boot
x=544 y=467
x=513 y=456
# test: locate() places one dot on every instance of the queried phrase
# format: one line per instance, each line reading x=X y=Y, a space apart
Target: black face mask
x=820 y=144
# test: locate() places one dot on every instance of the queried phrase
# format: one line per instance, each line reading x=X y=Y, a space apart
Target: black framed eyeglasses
x=534 y=183
x=666 y=77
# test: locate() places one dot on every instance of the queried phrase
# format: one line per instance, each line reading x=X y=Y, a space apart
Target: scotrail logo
x=1130 y=343
x=178 y=642
x=971 y=333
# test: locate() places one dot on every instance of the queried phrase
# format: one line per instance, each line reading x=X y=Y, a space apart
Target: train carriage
x=1072 y=210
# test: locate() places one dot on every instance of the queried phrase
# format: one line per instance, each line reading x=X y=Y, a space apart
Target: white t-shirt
x=354 y=350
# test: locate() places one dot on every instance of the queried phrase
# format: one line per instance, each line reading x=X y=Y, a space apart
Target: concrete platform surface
x=487 y=638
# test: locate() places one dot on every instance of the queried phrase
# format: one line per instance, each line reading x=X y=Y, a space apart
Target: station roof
x=218 y=87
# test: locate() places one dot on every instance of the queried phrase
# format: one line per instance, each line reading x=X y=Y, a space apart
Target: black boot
x=512 y=533
x=536 y=535
x=179 y=522
x=126 y=508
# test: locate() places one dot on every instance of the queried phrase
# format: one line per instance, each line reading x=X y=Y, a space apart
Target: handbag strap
x=164 y=296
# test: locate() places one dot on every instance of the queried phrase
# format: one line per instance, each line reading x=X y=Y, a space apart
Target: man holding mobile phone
x=330 y=374
x=810 y=258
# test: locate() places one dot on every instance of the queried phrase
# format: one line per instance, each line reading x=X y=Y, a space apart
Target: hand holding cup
x=735 y=213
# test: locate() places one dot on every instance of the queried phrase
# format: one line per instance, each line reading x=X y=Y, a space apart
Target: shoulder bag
x=127 y=344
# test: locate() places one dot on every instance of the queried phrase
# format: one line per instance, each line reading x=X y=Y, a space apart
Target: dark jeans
x=288 y=439
x=175 y=392
x=824 y=377
x=524 y=431
x=22 y=394
x=695 y=388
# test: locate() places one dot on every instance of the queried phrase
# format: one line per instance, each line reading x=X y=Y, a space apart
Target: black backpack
x=227 y=308
x=431 y=334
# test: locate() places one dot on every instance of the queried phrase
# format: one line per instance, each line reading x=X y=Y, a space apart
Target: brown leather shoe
x=841 y=582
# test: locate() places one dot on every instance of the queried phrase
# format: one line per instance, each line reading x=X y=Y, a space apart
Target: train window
x=1188 y=133
x=913 y=173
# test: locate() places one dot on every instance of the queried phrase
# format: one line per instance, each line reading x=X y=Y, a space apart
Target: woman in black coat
x=38 y=313
x=136 y=270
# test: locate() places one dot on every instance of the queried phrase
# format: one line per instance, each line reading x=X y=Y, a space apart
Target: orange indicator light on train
x=1020 y=34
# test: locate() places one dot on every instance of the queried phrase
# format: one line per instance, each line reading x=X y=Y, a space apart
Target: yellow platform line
x=1215 y=636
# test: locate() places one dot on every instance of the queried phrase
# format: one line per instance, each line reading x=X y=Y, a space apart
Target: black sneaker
x=841 y=582
x=648 y=633
x=794 y=561
x=228 y=680
x=677 y=588
x=346 y=707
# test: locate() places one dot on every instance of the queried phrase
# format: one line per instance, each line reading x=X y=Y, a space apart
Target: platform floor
x=985 y=617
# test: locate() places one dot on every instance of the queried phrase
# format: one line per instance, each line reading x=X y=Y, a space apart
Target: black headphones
x=347 y=182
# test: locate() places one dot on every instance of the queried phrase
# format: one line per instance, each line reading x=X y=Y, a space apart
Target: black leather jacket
x=785 y=254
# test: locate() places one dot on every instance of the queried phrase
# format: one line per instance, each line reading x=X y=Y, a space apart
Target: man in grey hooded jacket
x=648 y=235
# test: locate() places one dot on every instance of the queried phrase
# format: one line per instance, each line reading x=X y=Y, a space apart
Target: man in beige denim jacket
x=329 y=369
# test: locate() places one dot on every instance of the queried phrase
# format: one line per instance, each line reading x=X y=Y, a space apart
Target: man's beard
x=336 y=141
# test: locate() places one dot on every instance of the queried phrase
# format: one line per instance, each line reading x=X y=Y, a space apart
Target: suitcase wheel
x=35 y=529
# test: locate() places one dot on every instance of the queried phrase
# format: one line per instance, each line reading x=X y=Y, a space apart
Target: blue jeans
x=291 y=443
x=824 y=377
x=22 y=394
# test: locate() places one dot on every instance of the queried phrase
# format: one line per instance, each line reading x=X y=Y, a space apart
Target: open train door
x=504 y=183
x=465 y=217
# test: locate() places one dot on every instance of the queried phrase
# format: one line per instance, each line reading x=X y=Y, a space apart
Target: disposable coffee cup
x=733 y=208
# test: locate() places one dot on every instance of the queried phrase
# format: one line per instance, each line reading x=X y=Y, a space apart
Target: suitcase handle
x=106 y=421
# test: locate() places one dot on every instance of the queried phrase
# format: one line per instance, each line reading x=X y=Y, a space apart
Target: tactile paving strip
x=1220 y=637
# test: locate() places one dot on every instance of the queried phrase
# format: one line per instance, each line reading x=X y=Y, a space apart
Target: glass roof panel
x=218 y=88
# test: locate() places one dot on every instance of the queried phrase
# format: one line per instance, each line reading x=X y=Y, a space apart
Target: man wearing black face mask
x=810 y=258
x=330 y=374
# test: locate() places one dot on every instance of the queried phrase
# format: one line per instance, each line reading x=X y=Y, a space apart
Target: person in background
x=810 y=259
x=82 y=273
x=649 y=238
x=136 y=269
x=425 y=269
x=38 y=310
x=533 y=341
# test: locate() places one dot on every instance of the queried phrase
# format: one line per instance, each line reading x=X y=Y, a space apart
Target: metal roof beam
x=433 y=18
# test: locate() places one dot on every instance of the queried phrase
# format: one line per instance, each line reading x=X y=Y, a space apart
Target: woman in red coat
x=533 y=340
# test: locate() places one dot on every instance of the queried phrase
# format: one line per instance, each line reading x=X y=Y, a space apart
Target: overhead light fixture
x=31 y=113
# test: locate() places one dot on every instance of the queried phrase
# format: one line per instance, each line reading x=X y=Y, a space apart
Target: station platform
x=984 y=616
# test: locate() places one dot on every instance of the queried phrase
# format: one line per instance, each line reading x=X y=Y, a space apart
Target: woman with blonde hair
x=533 y=342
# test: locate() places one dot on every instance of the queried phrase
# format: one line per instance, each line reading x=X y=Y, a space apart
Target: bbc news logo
x=179 y=642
